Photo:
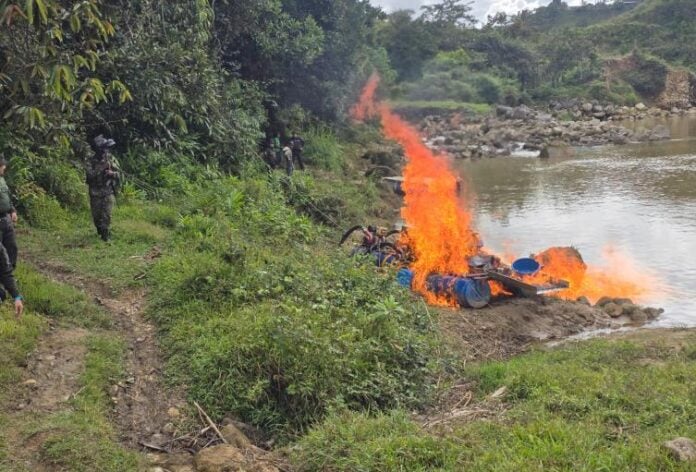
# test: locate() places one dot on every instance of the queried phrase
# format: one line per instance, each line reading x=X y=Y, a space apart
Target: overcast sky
x=481 y=8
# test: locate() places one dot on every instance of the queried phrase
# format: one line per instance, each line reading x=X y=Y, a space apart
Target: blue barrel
x=526 y=266
x=404 y=277
x=474 y=293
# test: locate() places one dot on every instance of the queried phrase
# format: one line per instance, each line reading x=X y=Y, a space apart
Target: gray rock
x=587 y=107
x=653 y=313
x=638 y=317
x=641 y=107
x=681 y=449
x=612 y=309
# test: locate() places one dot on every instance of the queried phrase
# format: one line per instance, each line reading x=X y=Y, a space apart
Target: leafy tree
x=50 y=56
x=449 y=12
x=182 y=98
x=409 y=43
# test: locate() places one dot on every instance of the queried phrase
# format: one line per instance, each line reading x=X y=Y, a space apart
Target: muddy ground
x=509 y=326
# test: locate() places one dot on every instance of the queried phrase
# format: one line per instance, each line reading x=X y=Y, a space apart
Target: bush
x=263 y=326
x=324 y=150
x=359 y=442
x=52 y=170
x=40 y=209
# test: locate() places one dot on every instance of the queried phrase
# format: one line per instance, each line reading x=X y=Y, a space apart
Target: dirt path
x=146 y=410
x=50 y=380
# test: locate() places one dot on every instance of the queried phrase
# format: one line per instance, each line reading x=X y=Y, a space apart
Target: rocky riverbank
x=511 y=130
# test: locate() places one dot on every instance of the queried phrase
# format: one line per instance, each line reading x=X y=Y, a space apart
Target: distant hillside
x=663 y=28
x=558 y=15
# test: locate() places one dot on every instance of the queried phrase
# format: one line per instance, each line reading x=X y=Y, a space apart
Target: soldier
x=287 y=155
x=8 y=217
x=8 y=283
x=103 y=180
x=297 y=146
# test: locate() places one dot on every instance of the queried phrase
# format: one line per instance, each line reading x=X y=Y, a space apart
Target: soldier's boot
x=105 y=234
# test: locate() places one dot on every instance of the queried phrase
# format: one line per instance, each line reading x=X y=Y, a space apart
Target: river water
x=636 y=200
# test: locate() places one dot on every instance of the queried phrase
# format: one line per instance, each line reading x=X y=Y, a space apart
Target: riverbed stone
x=612 y=309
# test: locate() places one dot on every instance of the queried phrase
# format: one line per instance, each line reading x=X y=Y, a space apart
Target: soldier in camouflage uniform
x=8 y=217
x=8 y=283
x=103 y=180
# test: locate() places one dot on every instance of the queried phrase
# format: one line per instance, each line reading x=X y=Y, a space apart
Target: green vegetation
x=64 y=434
x=259 y=315
x=83 y=439
x=615 y=52
x=598 y=405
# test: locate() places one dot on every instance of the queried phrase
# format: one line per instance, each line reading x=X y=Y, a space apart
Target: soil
x=143 y=404
x=510 y=326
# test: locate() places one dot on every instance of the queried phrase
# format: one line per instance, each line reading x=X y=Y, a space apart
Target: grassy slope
x=240 y=292
x=79 y=437
x=596 y=405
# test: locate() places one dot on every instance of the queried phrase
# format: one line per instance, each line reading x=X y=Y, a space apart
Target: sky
x=481 y=8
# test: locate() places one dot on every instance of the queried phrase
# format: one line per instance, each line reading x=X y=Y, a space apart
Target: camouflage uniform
x=102 y=179
x=7 y=232
x=7 y=280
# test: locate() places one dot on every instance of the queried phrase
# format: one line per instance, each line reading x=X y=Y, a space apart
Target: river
x=638 y=200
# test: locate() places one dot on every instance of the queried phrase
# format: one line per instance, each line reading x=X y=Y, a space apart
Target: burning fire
x=618 y=278
x=440 y=223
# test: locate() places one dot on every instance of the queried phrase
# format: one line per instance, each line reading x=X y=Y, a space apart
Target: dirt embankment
x=512 y=325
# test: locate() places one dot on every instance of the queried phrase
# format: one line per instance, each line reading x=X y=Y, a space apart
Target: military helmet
x=100 y=142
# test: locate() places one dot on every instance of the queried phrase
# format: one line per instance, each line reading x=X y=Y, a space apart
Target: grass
x=137 y=230
x=598 y=405
x=80 y=437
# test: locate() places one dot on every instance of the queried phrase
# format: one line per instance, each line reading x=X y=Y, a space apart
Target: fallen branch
x=210 y=422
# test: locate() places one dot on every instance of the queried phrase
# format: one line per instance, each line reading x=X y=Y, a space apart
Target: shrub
x=40 y=209
x=359 y=442
x=263 y=326
x=324 y=150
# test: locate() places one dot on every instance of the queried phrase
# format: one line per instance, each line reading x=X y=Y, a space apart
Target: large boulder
x=641 y=107
x=522 y=112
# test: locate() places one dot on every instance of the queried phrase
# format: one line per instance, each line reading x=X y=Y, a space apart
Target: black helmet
x=100 y=142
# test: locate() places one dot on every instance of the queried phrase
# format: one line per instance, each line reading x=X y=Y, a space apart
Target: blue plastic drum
x=526 y=266
x=405 y=277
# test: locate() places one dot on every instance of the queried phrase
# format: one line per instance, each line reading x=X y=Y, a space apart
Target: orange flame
x=617 y=278
x=439 y=223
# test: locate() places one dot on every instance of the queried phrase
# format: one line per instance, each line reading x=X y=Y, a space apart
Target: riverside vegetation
x=258 y=316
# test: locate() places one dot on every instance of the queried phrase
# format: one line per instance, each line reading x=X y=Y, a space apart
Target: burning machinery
x=467 y=290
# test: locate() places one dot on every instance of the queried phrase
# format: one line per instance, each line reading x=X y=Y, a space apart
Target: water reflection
x=638 y=198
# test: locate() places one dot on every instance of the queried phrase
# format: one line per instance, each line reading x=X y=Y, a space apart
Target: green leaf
x=43 y=11
x=75 y=24
x=30 y=11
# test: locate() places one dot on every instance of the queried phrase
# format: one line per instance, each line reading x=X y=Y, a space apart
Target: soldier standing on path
x=103 y=180
x=8 y=217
